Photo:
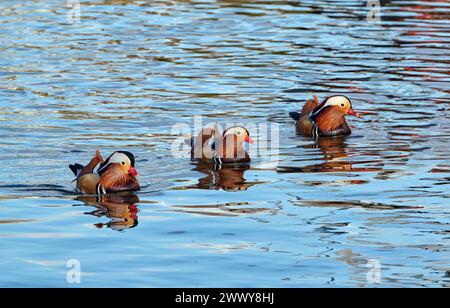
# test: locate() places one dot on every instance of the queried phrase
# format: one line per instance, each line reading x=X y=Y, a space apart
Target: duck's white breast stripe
x=217 y=159
x=315 y=130
x=100 y=190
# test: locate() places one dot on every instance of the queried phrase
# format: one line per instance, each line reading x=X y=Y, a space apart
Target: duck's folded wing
x=87 y=183
x=310 y=105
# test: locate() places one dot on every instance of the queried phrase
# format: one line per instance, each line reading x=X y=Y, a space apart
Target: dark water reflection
x=228 y=178
x=130 y=70
x=336 y=158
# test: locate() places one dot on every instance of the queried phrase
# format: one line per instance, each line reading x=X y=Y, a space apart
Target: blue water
x=316 y=215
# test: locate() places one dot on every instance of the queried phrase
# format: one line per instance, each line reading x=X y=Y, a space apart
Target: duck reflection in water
x=229 y=177
x=335 y=152
x=120 y=209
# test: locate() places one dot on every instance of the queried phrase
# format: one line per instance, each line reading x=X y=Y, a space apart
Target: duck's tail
x=76 y=169
x=295 y=115
x=189 y=140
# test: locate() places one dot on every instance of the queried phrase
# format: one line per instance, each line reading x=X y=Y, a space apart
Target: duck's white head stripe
x=232 y=130
x=328 y=102
x=115 y=158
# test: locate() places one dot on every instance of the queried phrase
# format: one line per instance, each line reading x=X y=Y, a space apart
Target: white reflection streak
x=74 y=14
x=374 y=14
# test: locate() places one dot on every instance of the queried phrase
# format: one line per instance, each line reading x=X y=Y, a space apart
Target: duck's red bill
x=249 y=140
x=353 y=113
x=133 y=210
x=133 y=171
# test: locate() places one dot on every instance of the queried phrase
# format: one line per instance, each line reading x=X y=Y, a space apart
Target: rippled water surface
x=315 y=216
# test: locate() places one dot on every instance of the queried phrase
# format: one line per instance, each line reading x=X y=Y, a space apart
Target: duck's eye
x=342 y=105
x=123 y=163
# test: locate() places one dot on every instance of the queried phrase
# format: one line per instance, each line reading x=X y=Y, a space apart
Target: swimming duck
x=116 y=173
x=230 y=148
x=324 y=119
x=211 y=145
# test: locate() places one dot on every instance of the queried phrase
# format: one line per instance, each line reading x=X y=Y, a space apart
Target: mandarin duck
x=115 y=174
x=211 y=145
x=326 y=119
